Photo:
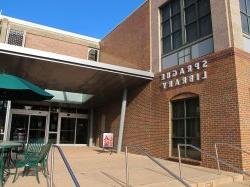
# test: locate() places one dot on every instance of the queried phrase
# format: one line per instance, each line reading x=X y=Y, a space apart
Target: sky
x=94 y=18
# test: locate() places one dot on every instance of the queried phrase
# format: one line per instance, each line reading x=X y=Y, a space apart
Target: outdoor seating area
x=33 y=156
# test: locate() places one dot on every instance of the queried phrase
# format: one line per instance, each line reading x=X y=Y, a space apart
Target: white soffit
x=62 y=59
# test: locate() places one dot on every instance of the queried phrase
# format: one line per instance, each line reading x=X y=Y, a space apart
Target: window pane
x=205 y=26
x=189 y=2
x=166 y=44
x=175 y=143
x=243 y=5
x=175 y=7
x=178 y=109
x=177 y=40
x=176 y=22
x=190 y=14
x=178 y=128
x=191 y=32
x=192 y=106
x=165 y=12
x=192 y=153
x=193 y=128
x=204 y=7
x=244 y=23
x=248 y=7
x=166 y=28
x=181 y=60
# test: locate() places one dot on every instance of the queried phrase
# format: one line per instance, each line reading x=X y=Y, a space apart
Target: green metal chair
x=3 y=157
x=32 y=147
x=33 y=161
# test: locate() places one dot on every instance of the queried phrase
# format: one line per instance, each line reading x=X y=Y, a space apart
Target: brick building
x=175 y=71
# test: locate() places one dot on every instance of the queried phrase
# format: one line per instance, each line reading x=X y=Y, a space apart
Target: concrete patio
x=94 y=168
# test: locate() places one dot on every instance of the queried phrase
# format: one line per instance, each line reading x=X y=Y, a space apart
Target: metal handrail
x=145 y=152
x=233 y=167
x=70 y=171
x=231 y=146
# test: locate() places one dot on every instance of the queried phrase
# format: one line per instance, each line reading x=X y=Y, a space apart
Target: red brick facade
x=224 y=104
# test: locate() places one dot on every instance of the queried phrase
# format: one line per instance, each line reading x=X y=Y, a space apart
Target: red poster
x=107 y=140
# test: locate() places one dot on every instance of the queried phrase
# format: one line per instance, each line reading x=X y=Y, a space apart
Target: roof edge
x=43 y=27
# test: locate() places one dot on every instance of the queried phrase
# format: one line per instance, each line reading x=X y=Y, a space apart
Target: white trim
x=30 y=24
x=62 y=59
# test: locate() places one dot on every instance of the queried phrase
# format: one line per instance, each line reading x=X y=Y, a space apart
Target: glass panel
x=178 y=129
x=166 y=29
x=53 y=122
x=169 y=61
x=243 y=6
x=192 y=106
x=52 y=138
x=182 y=60
x=192 y=153
x=203 y=48
x=37 y=127
x=190 y=14
x=204 y=7
x=82 y=131
x=193 y=128
x=67 y=135
x=191 y=32
x=187 y=58
x=189 y=2
x=165 y=12
x=248 y=7
x=177 y=40
x=19 y=123
x=2 y=118
x=178 y=109
x=175 y=143
x=175 y=7
x=176 y=23
x=205 y=25
x=244 y=23
x=166 y=44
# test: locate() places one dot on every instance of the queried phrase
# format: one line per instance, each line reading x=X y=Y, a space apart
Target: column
x=122 y=119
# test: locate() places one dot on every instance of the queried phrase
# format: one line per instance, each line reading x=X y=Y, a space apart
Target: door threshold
x=73 y=145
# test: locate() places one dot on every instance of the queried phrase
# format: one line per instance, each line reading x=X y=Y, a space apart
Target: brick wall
x=243 y=74
x=56 y=46
x=129 y=43
x=148 y=115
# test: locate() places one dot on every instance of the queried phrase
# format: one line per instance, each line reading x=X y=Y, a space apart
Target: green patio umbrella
x=15 y=88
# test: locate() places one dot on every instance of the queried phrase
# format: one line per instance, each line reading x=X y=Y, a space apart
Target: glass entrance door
x=37 y=127
x=73 y=129
x=32 y=123
x=81 y=131
x=67 y=134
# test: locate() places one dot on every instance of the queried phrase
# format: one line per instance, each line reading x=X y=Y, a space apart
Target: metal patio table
x=8 y=146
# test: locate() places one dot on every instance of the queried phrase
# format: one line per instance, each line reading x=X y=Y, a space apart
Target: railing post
x=179 y=155
x=217 y=158
x=126 y=162
x=52 y=166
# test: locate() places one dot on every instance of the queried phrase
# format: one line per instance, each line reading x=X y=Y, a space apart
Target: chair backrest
x=35 y=145
x=44 y=152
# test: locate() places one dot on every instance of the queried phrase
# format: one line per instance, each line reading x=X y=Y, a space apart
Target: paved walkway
x=93 y=168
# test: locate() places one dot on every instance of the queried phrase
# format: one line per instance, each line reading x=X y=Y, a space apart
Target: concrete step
x=236 y=184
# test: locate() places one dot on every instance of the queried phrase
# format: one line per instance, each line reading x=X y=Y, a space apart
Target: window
x=186 y=127
x=183 y=22
x=15 y=37
x=93 y=54
x=245 y=15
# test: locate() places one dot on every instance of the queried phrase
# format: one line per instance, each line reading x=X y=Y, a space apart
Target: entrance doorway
x=56 y=127
x=33 y=123
x=72 y=129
